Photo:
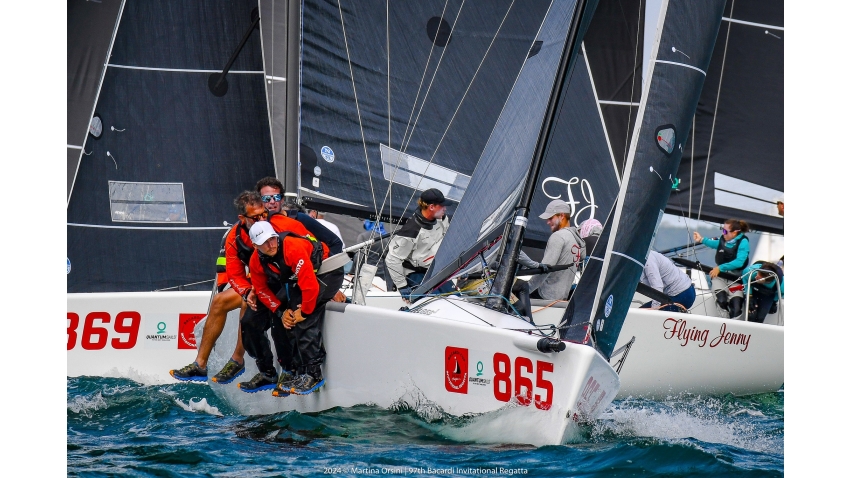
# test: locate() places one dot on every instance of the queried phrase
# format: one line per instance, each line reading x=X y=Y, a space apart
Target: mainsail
x=148 y=204
x=425 y=81
x=733 y=166
x=91 y=28
x=684 y=42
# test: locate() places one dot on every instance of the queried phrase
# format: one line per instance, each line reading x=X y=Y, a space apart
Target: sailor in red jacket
x=288 y=261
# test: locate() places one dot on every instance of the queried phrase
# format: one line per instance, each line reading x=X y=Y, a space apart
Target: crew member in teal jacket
x=733 y=255
x=761 y=286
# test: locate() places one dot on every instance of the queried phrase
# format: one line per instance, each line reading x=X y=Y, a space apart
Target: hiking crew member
x=733 y=255
x=289 y=262
x=230 y=268
x=764 y=292
x=414 y=245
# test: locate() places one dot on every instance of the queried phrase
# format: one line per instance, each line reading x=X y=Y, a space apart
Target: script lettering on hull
x=678 y=329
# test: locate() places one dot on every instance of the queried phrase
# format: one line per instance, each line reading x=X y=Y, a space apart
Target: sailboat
x=573 y=380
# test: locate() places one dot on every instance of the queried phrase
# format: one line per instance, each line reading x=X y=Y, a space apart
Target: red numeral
x=132 y=329
x=74 y=322
x=502 y=366
x=545 y=385
x=90 y=330
x=521 y=382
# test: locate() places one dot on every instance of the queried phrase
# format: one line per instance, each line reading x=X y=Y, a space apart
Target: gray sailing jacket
x=413 y=247
x=564 y=246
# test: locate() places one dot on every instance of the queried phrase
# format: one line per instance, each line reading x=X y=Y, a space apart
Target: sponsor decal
x=69 y=266
x=588 y=394
x=477 y=380
x=162 y=338
x=678 y=329
x=665 y=136
x=609 y=305
x=328 y=154
x=186 y=330
x=424 y=311
x=298 y=267
x=457 y=369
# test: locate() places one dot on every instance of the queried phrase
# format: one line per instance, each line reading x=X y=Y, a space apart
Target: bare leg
x=239 y=351
x=222 y=303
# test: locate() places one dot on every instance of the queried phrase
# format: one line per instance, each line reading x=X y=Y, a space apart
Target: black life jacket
x=728 y=254
x=284 y=274
x=762 y=289
x=243 y=251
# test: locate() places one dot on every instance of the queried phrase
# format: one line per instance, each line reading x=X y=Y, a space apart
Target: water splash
x=85 y=406
x=198 y=406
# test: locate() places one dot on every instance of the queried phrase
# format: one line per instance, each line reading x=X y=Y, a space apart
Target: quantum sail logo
x=457 y=370
x=665 y=137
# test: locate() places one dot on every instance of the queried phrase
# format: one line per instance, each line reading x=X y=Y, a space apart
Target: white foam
x=136 y=376
x=702 y=421
x=86 y=405
x=200 y=406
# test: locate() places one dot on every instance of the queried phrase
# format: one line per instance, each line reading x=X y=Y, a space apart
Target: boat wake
x=753 y=423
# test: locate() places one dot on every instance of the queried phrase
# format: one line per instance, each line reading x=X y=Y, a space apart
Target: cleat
x=284 y=384
x=306 y=385
x=258 y=383
x=229 y=372
x=190 y=373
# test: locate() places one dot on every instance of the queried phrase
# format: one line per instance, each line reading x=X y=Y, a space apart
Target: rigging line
x=632 y=91
x=357 y=104
x=691 y=178
x=473 y=78
x=424 y=72
x=601 y=118
x=433 y=77
x=714 y=116
x=389 y=109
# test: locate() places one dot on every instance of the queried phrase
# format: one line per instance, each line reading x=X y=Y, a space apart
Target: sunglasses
x=269 y=197
x=262 y=215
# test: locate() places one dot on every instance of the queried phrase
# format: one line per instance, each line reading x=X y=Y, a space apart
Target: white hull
x=411 y=359
x=662 y=362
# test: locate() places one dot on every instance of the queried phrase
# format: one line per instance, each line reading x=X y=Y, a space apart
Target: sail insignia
x=666 y=138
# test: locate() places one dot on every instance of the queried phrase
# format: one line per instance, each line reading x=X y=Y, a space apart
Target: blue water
x=117 y=426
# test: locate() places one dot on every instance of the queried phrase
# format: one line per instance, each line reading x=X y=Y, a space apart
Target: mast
x=507 y=270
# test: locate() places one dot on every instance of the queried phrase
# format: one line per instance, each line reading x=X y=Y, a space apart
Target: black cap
x=433 y=196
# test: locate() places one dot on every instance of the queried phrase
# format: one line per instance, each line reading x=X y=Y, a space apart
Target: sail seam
x=615 y=253
x=752 y=24
x=99 y=226
x=180 y=70
x=618 y=103
x=680 y=64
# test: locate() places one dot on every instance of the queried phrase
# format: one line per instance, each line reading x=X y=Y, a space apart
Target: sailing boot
x=736 y=305
x=309 y=382
x=285 y=382
x=260 y=382
x=229 y=372
x=190 y=373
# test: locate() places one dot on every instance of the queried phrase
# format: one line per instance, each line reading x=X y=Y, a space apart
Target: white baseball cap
x=261 y=232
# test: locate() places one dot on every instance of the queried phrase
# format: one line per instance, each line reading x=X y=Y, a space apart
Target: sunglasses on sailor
x=270 y=197
x=259 y=217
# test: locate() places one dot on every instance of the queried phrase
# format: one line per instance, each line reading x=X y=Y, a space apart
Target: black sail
x=91 y=26
x=398 y=97
x=148 y=205
x=684 y=44
x=734 y=165
x=500 y=174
